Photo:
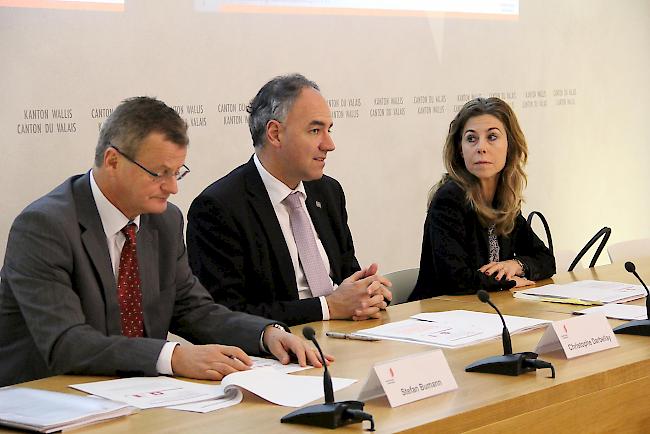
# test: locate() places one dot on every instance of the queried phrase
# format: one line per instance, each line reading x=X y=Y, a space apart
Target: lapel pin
x=318 y=204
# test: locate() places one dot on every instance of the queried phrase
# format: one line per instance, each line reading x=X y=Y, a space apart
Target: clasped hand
x=509 y=269
x=361 y=296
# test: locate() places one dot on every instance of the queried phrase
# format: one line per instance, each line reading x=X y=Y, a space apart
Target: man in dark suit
x=251 y=242
x=96 y=274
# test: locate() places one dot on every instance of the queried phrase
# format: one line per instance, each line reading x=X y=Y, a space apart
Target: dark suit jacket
x=455 y=246
x=58 y=297
x=237 y=249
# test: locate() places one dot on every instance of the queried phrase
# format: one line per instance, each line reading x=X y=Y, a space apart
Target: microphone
x=639 y=327
x=330 y=414
x=505 y=334
x=509 y=363
x=631 y=268
x=310 y=335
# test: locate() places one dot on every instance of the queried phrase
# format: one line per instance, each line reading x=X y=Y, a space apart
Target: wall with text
x=575 y=72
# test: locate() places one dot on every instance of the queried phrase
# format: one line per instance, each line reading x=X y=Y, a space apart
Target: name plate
x=578 y=336
x=409 y=378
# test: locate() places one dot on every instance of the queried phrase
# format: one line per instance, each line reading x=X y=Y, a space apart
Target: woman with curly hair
x=474 y=235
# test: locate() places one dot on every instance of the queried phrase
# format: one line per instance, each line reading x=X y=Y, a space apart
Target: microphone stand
x=639 y=327
x=330 y=414
x=509 y=363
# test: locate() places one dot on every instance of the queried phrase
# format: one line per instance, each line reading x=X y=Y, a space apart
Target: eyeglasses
x=179 y=174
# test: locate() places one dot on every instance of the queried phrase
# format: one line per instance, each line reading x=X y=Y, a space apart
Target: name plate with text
x=578 y=336
x=409 y=378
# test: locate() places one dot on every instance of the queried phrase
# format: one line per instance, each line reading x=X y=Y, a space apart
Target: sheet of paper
x=233 y=397
x=150 y=392
x=261 y=362
x=593 y=290
x=488 y=325
x=421 y=332
x=267 y=383
x=451 y=329
x=283 y=389
x=617 y=311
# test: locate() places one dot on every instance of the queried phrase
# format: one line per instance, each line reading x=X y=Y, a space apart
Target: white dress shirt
x=278 y=191
x=113 y=221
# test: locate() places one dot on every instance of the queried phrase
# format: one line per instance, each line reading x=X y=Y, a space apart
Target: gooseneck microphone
x=310 y=335
x=505 y=334
x=508 y=364
x=631 y=268
x=330 y=414
x=639 y=327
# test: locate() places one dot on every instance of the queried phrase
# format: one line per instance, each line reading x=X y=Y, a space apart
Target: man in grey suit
x=96 y=274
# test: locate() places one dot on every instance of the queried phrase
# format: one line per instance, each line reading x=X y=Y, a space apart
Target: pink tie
x=310 y=258
x=128 y=287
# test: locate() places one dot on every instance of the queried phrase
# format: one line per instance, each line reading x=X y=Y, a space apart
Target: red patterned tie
x=128 y=287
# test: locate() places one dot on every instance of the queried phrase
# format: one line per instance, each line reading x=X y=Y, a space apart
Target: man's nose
x=170 y=185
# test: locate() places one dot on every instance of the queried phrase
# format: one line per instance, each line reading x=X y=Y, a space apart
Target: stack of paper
x=597 y=291
x=44 y=411
x=451 y=329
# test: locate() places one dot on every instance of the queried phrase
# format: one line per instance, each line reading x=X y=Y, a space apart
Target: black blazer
x=237 y=250
x=455 y=246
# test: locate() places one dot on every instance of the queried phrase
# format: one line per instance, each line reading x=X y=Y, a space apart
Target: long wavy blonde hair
x=512 y=179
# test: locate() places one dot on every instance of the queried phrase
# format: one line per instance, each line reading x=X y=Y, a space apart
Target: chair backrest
x=562 y=257
x=604 y=233
x=403 y=283
x=549 y=238
x=625 y=250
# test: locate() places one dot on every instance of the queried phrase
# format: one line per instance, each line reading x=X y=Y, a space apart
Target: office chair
x=603 y=233
x=631 y=249
x=403 y=283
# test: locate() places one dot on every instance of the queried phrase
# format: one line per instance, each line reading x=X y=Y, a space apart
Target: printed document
x=261 y=362
x=451 y=329
x=276 y=387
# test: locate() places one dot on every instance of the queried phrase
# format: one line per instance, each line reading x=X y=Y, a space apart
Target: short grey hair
x=273 y=102
x=133 y=120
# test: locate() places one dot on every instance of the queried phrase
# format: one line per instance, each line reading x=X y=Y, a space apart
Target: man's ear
x=273 y=133
x=110 y=159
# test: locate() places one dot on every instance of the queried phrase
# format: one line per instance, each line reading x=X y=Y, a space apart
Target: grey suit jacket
x=58 y=304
